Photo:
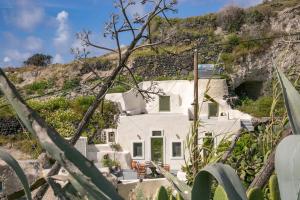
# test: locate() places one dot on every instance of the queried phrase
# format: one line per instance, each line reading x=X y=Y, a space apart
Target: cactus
x=220 y=194
x=161 y=194
x=274 y=188
x=255 y=194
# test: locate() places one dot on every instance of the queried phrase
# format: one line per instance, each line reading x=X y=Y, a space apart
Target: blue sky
x=49 y=26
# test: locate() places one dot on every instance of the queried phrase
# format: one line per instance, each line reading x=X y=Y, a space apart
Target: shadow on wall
x=251 y=89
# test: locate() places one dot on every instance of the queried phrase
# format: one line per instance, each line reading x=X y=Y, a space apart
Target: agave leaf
x=183 y=189
x=226 y=177
x=18 y=170
x=287 y=165
x=161 y=194
x=292 y=101
x=86 y=189
x=59 y=149
x=71 y=192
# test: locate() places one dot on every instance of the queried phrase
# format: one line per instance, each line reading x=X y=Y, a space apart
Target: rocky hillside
x=230 y=34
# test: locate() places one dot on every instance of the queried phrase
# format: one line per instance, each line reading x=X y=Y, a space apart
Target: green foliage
x=247 y=157
x=255 y=194
x=38 y=60
x=274 y=188
x=258 y=108
x=39 y=87
x=6 y=111
x=71 y=83
x=106 y=161
x=64 y=114
x=23 y=142
x=118 y=88
x=83 y=175
x=231 y=18
x=254 y=16
x=13 y=77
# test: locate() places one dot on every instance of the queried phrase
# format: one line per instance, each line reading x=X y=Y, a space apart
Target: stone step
x=247 y=124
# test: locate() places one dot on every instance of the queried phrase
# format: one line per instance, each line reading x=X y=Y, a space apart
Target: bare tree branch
x=111 y=29
x=84 y=37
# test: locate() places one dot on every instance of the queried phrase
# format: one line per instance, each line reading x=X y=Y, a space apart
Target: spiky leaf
x=292 y=101
x=18 y=170
x=225 y=176
x=59 y=149
x=287 y=165
x=183 y=189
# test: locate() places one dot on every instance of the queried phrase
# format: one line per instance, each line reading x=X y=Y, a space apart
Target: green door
x=157 y=151
x=213 y=110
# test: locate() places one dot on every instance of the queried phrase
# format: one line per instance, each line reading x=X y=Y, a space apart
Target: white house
x=157 y=130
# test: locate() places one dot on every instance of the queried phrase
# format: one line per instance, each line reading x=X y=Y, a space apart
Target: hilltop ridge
x=243 y=59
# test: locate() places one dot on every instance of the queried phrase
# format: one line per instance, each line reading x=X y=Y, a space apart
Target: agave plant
x=287 y=163
x=83 y=175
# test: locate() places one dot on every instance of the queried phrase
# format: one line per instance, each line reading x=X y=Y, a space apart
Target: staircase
x=247 y=124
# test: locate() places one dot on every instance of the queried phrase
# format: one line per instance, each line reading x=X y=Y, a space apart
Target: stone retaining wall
x=9 y=126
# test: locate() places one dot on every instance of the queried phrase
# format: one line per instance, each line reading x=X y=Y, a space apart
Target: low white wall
x=124 y=158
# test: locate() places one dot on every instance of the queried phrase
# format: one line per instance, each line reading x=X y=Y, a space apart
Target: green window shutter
x=164 y=103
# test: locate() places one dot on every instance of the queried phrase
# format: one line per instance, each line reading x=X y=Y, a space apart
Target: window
x=111 y=137
x=164 y=103
x=177 y=149
x=138 y=150
x=157 y=133
x=103 y=137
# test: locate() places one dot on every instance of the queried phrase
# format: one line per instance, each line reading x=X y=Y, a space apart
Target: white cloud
x=16 y=55
x=33 y=43
x=58 y=59
x=26 y=15
x=6 y=59
x=62 y=33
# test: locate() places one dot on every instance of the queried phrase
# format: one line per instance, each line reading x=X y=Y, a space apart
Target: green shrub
x=22 y=142
x=119 y=89
x=258 y=108
x=39 y=87
x=231 y=18
x=254 y=16
x=71 y=83
x=15 y=79
x=64 y=114
x=106 y=161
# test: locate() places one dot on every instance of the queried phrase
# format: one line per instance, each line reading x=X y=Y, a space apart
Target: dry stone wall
x=10 y=126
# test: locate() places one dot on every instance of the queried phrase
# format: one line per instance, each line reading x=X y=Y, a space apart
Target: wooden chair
x=141 y=170
x=166 y=167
